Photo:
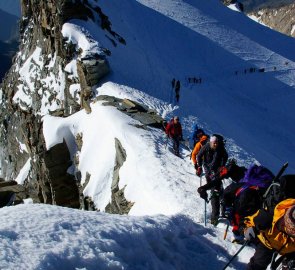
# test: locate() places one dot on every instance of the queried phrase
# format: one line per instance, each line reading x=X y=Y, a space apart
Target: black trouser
x=215 y=196
x=215 y=202
x=176 y=141
x=261 y=258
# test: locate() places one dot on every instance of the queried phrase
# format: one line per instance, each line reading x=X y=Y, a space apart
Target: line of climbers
x=198 y=80
x=258 y=205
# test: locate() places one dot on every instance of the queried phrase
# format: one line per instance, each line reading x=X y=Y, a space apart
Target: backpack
x=166 y=123
x=220 y=139
x=247 y=193
x=258 y=176
x=279 y=191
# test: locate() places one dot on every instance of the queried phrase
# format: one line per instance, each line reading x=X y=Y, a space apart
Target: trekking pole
x=166 y=142
x=226 y=230
x=237 y=253
x=205 y=204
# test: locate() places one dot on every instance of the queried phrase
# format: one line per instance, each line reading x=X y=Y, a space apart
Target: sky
x=165 y=228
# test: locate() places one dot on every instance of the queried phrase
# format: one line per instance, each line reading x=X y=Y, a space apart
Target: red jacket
x=174 y=130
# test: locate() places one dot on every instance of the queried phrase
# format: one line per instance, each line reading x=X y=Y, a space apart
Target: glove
x=203 y=193
x=196 y=166
x=223 y=172
x=199 y=171
x=249 y=233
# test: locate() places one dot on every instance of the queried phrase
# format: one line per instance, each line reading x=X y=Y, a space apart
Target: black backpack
x=279 y=191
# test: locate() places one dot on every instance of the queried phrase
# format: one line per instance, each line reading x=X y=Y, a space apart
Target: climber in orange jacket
x=203 y=138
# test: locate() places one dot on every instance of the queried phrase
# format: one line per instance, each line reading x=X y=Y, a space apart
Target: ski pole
x=237 y=253
x=205 y=214
x=166 y=142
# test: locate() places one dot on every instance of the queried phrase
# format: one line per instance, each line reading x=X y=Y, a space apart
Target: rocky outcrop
x=118 y=204
x=144 y=115
x=276 y=14
x=63 y=186
x=90 y=71
x=281 y=18
x=11 y=193
x=39 y=83
x=52 y=75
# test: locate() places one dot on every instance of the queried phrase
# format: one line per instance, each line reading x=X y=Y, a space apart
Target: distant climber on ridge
x=174 y=131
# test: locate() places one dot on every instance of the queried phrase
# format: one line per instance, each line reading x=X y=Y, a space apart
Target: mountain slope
x=255 y=109
x=148 y=44
x=254 y=5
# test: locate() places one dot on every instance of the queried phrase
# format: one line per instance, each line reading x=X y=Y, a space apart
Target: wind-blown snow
x=51 y=237
x=78 y=35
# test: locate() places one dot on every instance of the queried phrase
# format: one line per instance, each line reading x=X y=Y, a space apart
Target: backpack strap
x=243 y=188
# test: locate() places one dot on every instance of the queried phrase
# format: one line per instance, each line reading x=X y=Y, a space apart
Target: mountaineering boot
x=214 y=222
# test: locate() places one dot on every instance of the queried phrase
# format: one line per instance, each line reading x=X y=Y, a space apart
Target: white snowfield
x=165 y=39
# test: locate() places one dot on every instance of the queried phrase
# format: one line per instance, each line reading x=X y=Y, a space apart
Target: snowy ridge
x=221 y=46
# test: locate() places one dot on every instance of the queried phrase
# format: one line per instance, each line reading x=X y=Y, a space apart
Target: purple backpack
x=258 y=176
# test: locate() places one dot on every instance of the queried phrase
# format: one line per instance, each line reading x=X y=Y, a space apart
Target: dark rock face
x=11 y=193
x=63 y=187
x=38 y=84
x=26 y=95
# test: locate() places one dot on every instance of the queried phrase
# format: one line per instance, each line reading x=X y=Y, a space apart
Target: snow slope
x=60 y=238
x=205 y=39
